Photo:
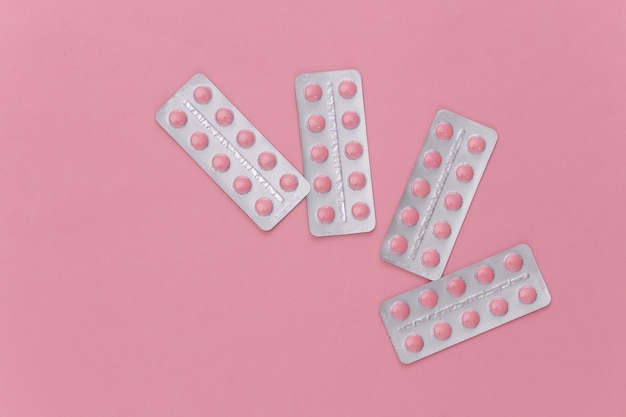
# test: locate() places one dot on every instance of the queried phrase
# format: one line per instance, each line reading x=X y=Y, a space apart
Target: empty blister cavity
x=232 y=152
x=335 y=156
x=457 y=307
x=440 y=189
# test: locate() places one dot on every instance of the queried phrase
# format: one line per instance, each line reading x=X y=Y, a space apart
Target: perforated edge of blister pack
x=438 y=194
x=464 y=304
x=234 y=153
x=335 y=156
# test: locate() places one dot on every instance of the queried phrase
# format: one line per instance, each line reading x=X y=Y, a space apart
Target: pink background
x=130 y=285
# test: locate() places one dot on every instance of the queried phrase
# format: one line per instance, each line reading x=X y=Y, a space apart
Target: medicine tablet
x=442 y=331
x=357 y=180
x=224 y=116
x=527 y=294
x=360 y=211
x=353 y=150
x=316 y=123
x=177 y=119
x=220 y=162
x=313 y=92
x=499 y=306
x=322 y=184
x=398 y=244
x=264 y=206
x=513 y=262
x=267 y=160
x=202 y=94
x=442 y=229
x=420 y=187
x=400 y=310
x=414 y=343
x=484 y=274
x=242 y=185
x=347 y=89
x=350 y=119
x=428 y=298
x=326 y=214
x=430 y=258
x=245 y=138
x=319 y=153
x=444 y=131
x=470 y=319
x=289 y=182
x=199 y=141
x=410 y=216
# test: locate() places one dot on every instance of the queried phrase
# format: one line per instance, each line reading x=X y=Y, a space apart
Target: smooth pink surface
x=441 y=229
x=267 y=160
x=322 y=184
x=444 y=131
x=319 y=153
x=430 y=258
x=242 y=185
x=410 y=216
x=464 y=173
x=316 y=123
x=420 y=187
x=453 y=201
x=432 y=159
x=499 y=307
x=350 y=119
x=354 y=150
x=442 y=331
x=428 y=298
x=456 y=286
x=470 y=319
x=360 y=210
x=199 y=141
x=347 y=89
x=220 y=162
x=288 y=182
x=264 y=206
x=414 y=342
x=313 y=92
x=326 y=214
x=484 y=274
x=131 y=286
x=357 y=180
x=245 y=138
x=224 y=116
x=527 y=294
x=202 y=94
x=400 y=310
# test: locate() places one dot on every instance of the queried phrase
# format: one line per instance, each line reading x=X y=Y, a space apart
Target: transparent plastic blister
x=232 y=152
x=335 y=155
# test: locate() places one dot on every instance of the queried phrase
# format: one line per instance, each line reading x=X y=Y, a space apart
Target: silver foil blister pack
x=464 y=304
x=232 y=152
x=335 y=156
x=438 y=194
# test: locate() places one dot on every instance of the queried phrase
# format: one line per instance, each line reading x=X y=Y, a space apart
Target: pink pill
x=177 y=118
x=453 y=201
x=420 y=187
x=400 y=310
x=326 y=214
x=220 y=162
x=360 y=211
x=319 y=153
x=409 y=216
x=442 y=331
x=289 y=182
x=414 y=342
x=476 y=144
x=313 y=92
x=357 y=180
x=353 y=150
x=267 y=160
x=430 y=258
x=316 y=123
x=202 y=94
x=432 y=160
x=224 y=116
x=263 y=206
x=441 y=230
x=347 y=89
x=456 y=286
x=398 y=244
x=484 y=274
x=199 y=141
x=444 y=131
x=470 y=319
x=245 y=138
x=527 y=294
x=498 y=306
x=464 y=173
x=513 y=262
x=242 y=185
x=322 y=184
x=350 y=119
x=428 y=298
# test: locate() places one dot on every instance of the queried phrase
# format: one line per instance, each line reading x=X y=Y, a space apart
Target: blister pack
x=233 y=152
x=464 y=304
x=335 y=155
x=438 y=194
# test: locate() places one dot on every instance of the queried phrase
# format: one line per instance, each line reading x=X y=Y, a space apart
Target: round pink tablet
x=267 y=160
x=499 y=306
x=420 y=187
x=442 y=331
x=476 y=144
x=400 y=310
x=202 y=94
x=319 y=153
x=316 y=123
x=428 y=298
x=441 y=230
x=357 y=180
x=414 y=342
x=347 y=89
x=453 y=201
x=199 y=141
x=513 y=262
x=430 y=258
x=470 y=319
x=263 y=206
x=326 y=214
x=527 y=294
x=456 y=286
x=464 y=173
x=409 y=216
x=313 y=92
x=398 y=244
x=353 y=150
x=288 y=182
x=224 y=116
x=245 y=138
x=242 y=185
x=432 y=159
x=177 y=118
x=350 y=119
x=444 y=131
x=322 y=184
x=484 y=274
x=220 y=162
x=360 y=211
